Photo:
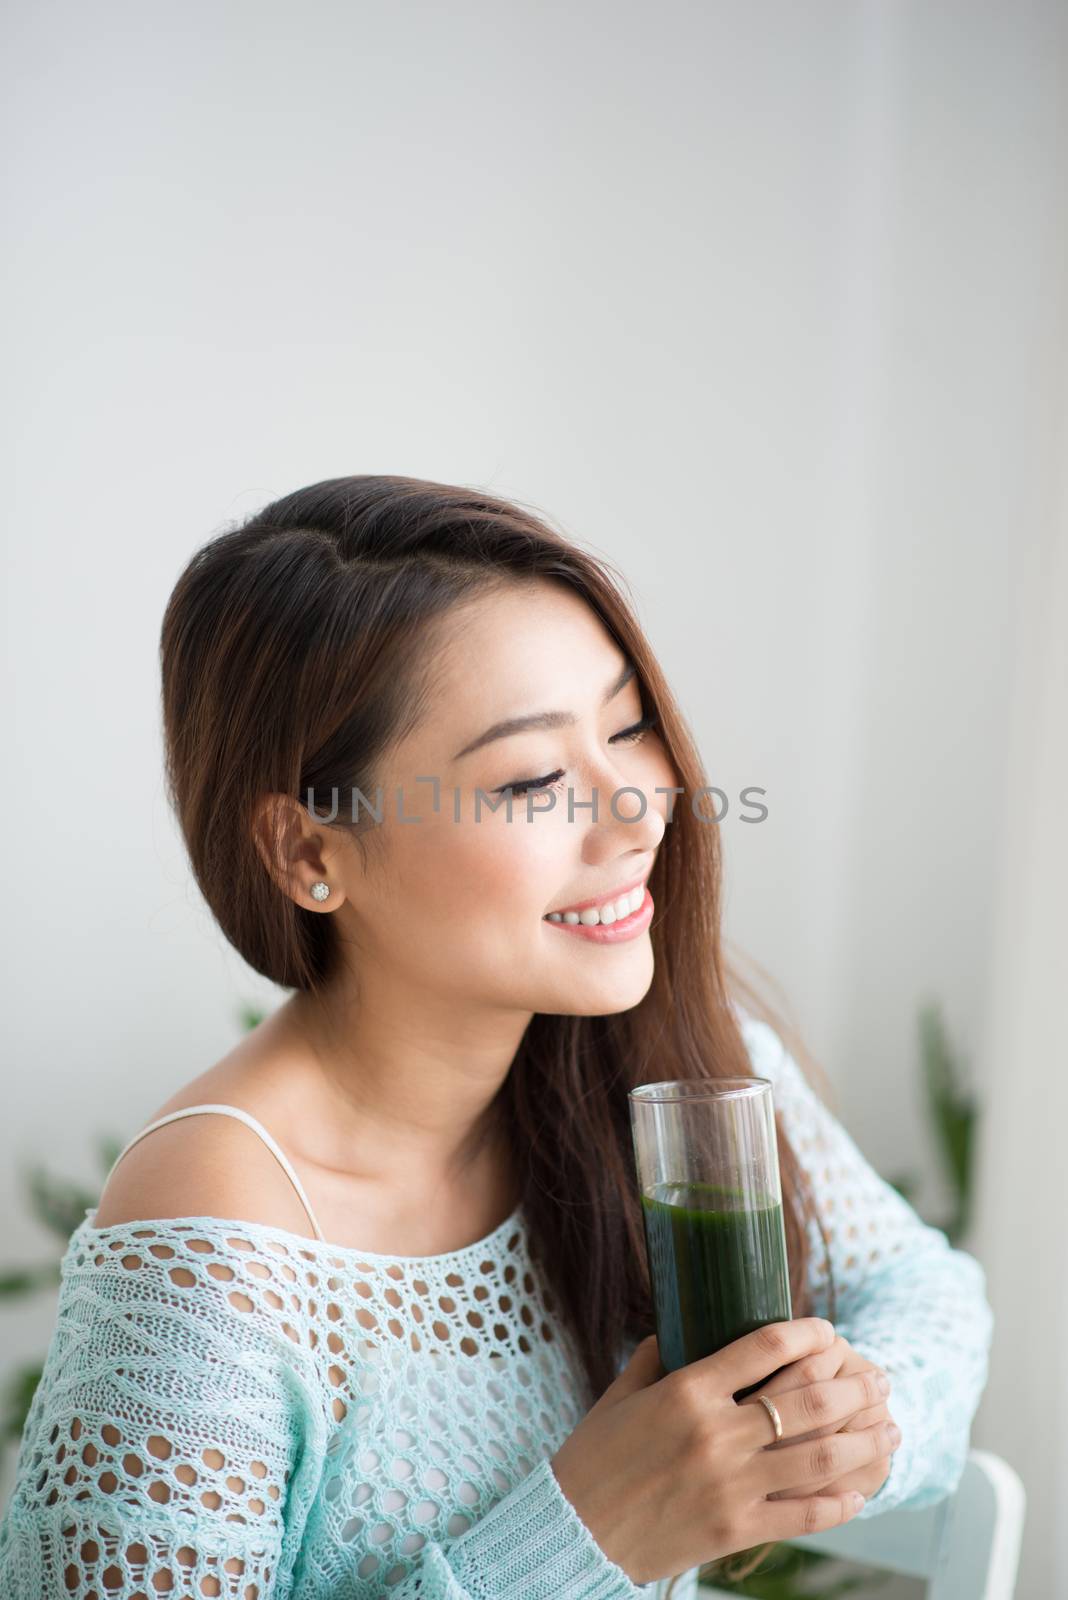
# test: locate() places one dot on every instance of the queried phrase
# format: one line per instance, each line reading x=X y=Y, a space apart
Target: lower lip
x=615 y=932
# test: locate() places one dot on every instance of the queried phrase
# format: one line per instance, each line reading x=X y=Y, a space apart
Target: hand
x=837 y=1361
x=669 y=1472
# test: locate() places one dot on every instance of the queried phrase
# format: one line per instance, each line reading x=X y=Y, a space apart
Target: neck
x=406 y=1086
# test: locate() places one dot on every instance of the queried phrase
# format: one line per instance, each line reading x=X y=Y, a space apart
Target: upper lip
x=602 y=899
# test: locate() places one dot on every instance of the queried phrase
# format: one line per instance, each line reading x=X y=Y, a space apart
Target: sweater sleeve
x=171 y=1441
x=904 y=1297
x=532 y=1545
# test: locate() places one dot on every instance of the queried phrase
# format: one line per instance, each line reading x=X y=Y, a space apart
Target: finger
x=877 y=1414
x=812 y=1369
x=641 y=1370
x=822 y=1461
x=755 y=1356
x=862 y=1478
x=802 y=1410
x=866 y=1479
x=866 y=1419
x=788 y=1519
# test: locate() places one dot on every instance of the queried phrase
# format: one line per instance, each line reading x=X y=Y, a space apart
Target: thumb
x=641 y=1370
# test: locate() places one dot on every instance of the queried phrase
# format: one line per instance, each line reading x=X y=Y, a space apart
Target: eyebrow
x=542 y=719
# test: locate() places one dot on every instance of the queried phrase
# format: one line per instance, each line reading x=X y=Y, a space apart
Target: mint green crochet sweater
x=234 y=1410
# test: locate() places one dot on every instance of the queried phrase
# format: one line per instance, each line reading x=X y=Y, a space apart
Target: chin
x=603 y=997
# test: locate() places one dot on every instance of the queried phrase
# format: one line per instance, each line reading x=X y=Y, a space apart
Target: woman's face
x=457 y=903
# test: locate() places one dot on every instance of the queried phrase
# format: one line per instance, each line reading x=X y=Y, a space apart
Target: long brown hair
x=294 y=649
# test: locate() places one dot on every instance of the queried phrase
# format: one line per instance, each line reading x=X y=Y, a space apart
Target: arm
x=171 y=1441
x=531 y=1546
x=905 y=1299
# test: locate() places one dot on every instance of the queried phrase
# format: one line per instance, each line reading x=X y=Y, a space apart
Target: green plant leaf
x=57 y=1202
x=22 y=1281
x=16 y=1398
x=954 y=1110
x=906 y=1184
x=790 y=1572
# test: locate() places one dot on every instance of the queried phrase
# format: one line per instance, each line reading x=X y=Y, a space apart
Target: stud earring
x=320 y=891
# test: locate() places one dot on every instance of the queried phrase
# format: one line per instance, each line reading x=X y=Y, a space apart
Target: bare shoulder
x=207 y=1165
x=213 y=1164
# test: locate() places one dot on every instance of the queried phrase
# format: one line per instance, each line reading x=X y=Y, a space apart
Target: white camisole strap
x=250 y=1122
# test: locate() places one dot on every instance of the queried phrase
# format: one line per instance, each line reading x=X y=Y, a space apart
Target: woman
x=364 y=1308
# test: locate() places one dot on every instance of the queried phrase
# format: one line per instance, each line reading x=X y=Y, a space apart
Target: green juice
x=718 y=1269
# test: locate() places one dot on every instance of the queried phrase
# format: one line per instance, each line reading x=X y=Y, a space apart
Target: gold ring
x=772 y=1410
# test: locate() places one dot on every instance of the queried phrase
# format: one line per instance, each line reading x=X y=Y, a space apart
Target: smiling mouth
x=603 y=912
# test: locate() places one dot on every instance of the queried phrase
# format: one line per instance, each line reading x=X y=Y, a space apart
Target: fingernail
x=858 y=1499
x=883 y=1383
x=894 y=1433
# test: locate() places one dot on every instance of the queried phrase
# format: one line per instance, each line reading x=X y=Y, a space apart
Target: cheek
x=652 y=771
x=664 y=776
x=491 y=867
x=518 y=866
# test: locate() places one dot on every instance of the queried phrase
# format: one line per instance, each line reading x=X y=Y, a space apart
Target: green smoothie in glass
x=719 y=1268
x=708 y=1177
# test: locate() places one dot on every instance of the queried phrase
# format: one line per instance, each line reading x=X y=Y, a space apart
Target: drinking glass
x=708 y=1175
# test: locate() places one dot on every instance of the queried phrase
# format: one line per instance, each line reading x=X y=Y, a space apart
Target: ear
x=297 y=851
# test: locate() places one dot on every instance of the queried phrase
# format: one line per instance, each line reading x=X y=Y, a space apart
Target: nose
x=627 y=824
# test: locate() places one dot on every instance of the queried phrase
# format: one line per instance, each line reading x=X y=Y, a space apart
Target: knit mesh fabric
x=233 y=1410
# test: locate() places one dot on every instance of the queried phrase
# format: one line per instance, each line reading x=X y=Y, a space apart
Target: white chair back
x=966 y=1545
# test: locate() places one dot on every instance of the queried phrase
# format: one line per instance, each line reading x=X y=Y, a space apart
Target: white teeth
x=603 y=916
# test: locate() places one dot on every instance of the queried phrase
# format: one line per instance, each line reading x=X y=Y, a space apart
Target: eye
x=635 y=734
x=631 y=735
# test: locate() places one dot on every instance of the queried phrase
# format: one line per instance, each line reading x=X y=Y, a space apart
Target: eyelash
x=629 y=735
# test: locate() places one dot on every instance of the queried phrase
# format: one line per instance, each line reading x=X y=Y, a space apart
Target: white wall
x=763 y=301
x=1020 y=1231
